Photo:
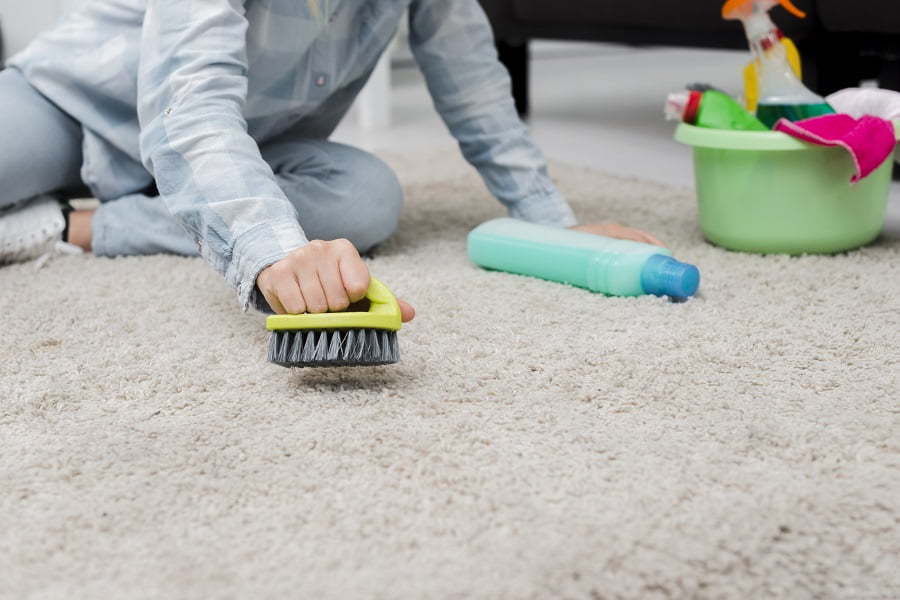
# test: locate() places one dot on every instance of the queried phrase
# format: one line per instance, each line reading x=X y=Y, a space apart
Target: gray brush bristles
x=333 y=347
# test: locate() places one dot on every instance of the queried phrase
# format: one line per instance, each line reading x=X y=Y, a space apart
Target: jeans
x=338 y=191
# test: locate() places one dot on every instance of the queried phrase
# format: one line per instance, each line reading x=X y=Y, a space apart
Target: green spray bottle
x=712 y=109
x=600 y=264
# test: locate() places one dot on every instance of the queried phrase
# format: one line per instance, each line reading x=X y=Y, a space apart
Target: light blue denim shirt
x=183 y=92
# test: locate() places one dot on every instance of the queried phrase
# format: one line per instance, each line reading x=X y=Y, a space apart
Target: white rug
x=537 y=441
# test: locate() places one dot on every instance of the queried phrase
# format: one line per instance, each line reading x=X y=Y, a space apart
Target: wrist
x=256 y=250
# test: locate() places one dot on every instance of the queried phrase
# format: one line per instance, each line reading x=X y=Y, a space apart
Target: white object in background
x=373 y=105
x=857 y=102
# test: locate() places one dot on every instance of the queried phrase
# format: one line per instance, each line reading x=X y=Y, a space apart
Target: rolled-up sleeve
x=192 y=87
x=453 y=45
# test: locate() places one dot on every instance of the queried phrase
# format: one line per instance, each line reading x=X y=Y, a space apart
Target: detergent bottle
x=780 y=92
x=712 y=109
x=600 y=264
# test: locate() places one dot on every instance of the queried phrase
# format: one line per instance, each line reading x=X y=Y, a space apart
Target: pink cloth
x=869 y=140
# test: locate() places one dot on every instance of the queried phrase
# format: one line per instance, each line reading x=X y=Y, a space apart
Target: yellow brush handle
x=383 y=313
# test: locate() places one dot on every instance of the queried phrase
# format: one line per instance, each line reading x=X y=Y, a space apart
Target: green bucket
x=769 y=193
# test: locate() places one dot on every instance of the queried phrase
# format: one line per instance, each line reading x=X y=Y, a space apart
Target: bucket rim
x=726 y=139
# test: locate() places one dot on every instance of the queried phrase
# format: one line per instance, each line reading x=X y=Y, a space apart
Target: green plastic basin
x=769 y=193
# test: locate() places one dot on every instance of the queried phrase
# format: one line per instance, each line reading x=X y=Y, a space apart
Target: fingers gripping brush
x=339 y=339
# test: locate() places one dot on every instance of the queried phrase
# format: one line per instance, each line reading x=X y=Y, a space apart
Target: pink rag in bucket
x=869 y=140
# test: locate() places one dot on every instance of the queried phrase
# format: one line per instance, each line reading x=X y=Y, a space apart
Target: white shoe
x=31 y=231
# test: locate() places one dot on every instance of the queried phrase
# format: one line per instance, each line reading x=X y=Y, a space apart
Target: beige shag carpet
x=537 y=441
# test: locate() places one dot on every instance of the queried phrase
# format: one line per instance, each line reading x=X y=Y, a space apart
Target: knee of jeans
x=378 y=185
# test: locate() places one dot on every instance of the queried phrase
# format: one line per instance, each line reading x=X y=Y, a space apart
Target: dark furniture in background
x=842 y=42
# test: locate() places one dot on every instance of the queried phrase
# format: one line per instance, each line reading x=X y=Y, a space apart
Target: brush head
x=360 y=336
x=334 y=348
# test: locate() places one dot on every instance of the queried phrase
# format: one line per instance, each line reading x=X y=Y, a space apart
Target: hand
x=619 y=232
x=317 y=278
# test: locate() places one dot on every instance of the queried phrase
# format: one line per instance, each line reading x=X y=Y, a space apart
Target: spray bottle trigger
x=789 y=6
x=736 y=9
x=741 y=9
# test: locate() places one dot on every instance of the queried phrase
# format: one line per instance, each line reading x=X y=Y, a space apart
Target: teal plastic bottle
x=600 y=264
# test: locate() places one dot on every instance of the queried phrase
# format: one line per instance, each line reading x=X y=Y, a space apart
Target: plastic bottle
x=712 y=109
x=751 y=71
x=781 y=93
x=600 y=264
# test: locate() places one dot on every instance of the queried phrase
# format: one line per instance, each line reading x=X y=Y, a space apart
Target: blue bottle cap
x=664 y=276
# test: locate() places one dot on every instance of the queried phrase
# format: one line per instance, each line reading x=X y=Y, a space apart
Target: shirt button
x=321 y=80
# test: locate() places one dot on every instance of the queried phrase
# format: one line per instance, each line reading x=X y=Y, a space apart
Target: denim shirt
x=183 y=92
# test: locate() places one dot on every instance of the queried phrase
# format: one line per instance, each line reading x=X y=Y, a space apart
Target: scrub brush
x=339 y=339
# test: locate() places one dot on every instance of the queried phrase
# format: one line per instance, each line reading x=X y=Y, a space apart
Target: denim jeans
x=338 y=191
